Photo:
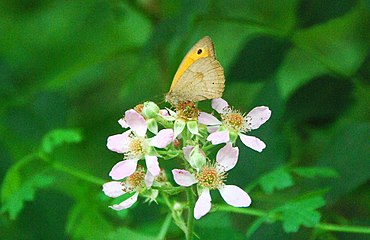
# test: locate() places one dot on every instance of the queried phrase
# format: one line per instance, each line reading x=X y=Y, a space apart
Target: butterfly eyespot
x=199 y=51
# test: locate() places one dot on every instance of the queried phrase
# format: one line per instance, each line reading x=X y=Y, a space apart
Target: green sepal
x=178 y=127
x=193 y=127
x=152 y=125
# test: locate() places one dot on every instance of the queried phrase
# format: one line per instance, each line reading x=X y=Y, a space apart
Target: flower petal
x=119 y=142
x=123 y=123
x=152 y=165
x=219 y=137
x=162 y=139
x=227 y=157
x=149 y=179
x=123 y=169
x=164 y=112
x=212 y=129
x=258 y=116
x=252 y=142
x=183 y=177
x=113 y=189
x=126 y=204
x=187 y=151
x=208 y=119
x=203 y=204
x=219 y=105
x=235 y=196
x=136 y=122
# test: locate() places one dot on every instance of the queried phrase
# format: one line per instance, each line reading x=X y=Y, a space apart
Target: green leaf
x=25 y=192
x=85 y=221
x=312 y=172
x=348 y=154
x=301 y=212
x=258 y=60
x=128 y=234
x=318 y=102
x=277 y=179
x=329 y=42
x=58 y=137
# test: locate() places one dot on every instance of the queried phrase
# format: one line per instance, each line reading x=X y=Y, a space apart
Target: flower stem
x=165 y=226
x=191 y=203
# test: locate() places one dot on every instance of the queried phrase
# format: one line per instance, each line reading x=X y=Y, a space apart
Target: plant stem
x=78 y=174
x=323 y=226
x=165 y=226
x=191 y=203
x=343 y=228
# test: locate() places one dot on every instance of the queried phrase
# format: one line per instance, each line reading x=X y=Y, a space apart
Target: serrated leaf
x=129 y=234
x=311 y=172
x=58 y=137
x=301 y=212
x=26 y=192
x=277 y=179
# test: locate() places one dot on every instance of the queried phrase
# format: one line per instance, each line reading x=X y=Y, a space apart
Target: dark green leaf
x=318 y=102
x=258 y=60
x=313 y=12
x=329 y=42
x=348 y=153
x=277 y=179
x=301 y=212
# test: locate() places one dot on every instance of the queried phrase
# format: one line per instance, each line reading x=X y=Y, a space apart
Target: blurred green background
x=78 y=65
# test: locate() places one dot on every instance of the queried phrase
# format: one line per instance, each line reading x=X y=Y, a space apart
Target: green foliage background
x=69 y=69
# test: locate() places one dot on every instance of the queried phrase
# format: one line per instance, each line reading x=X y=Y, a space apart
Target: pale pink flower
x=135 y=183
x=210 y=177
x=234 y=122
x=135 y=145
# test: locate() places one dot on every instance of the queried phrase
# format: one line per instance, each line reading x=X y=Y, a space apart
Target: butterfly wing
x=204 y=48
x=204 y=79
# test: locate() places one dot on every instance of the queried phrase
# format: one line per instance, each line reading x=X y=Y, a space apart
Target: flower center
x=136 y=148
x=234 y=120
x=139 y=108
x=187 y=110
x=209 y=177
x=135 y=180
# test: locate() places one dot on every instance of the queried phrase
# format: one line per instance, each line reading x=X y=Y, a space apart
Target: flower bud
x=150 y=110
x=197 y=158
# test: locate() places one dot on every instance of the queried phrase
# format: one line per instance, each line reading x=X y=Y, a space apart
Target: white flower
x=234 y=122
x=135 y=183
x=135 y=146
x=209 y=177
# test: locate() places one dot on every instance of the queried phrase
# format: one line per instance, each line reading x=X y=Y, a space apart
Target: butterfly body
x=199 y=77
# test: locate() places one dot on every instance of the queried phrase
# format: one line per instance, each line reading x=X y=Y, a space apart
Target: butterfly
x=199 y=77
